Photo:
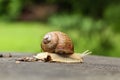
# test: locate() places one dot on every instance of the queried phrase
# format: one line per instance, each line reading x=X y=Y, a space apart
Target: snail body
x=57 y=42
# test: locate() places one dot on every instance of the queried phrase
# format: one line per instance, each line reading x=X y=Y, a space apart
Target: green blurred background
x=92 y=24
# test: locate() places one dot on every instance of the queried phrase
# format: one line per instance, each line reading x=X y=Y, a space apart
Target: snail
x=58 y=47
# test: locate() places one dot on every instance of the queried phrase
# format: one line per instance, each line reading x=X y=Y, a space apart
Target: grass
x=22 y=37
x=26 y=37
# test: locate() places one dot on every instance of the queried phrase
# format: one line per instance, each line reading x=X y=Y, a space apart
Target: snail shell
x=57 y=42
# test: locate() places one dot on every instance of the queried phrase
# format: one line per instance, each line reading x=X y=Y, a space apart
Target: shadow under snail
x=58 y=47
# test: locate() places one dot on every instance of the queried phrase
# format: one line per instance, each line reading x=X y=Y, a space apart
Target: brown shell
x=57 y=42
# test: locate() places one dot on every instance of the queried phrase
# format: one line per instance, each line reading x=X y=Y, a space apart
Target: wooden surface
x=93 y=68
